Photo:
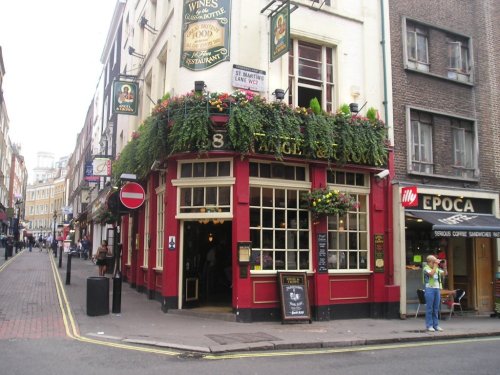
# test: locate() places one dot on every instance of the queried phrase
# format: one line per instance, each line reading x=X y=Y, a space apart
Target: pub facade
x=269 y=154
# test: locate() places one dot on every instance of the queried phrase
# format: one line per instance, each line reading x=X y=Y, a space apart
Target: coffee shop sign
x=456 y=204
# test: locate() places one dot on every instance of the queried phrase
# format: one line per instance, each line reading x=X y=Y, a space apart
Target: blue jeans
x=432 y=303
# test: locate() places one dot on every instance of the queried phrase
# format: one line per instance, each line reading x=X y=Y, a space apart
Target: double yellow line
x=4 y=265
x=71 y=327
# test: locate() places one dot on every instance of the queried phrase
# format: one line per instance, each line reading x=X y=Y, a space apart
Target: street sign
x=132 y=195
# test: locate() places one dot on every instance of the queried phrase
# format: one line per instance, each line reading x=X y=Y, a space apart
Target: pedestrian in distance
x=102 y=251
x=433 y=278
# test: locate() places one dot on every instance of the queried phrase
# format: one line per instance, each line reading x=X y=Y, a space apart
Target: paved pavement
x=141 y=321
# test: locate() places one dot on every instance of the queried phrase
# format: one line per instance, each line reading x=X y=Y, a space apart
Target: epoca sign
x=453 y=204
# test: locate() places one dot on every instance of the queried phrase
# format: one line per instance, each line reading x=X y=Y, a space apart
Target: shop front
x=462 y=229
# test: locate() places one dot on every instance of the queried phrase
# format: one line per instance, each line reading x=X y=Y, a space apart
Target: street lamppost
x=54 y=248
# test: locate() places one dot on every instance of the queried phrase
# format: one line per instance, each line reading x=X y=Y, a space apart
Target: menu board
x=322 y=253
x=294 y=296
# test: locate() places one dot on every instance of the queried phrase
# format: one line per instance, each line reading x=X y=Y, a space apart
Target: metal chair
x=421 y=299
x=459 y=294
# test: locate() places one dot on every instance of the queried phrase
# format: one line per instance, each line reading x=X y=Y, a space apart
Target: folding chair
x=421 y=299
x=459 y=294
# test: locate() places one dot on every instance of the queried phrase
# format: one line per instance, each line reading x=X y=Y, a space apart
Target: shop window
x=279 y=229
x=348 y=237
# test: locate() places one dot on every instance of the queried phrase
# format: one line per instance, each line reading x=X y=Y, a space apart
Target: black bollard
x=60 y=257
x=117 y=293
x=55 y=252
x=68 y=270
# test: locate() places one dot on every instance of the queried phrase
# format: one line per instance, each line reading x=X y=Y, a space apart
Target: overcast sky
x=51 y=52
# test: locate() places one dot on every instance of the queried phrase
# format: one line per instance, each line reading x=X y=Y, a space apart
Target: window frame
x=160 y=223
x=414 y=62
x=428 y=165
x=296 y=81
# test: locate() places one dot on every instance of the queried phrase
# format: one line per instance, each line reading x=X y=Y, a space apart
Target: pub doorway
x=206 y=262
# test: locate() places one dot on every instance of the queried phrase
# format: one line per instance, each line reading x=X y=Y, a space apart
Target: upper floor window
x=417 y=47
x=463 y=148
x=310 y=75
x=458 y=59
x=421 y=142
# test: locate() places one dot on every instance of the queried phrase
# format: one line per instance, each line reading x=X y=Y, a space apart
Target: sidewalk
x=141 y=321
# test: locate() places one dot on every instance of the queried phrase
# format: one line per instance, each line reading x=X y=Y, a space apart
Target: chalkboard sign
x=322 y=253
x=294 y=296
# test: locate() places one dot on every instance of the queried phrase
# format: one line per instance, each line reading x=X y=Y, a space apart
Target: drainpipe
x=384 y=59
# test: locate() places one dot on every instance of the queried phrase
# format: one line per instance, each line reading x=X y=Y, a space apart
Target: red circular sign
x=132 y=195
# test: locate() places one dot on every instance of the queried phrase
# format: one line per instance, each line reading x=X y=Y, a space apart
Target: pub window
x=279 y=229
x=278 y=171
x=348 y=237
x=160 y=224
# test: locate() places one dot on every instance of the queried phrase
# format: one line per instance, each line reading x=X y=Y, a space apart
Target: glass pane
x=254 y=196
x=300 y=173
x=291 y=220
x=304 y=260
x=224 y=196
x=254 y=170
x=198 y=195
x=254 y=217
x=267 y=239
x=255 y=238
x=350 y=180
x=185 y=196
x=340 y=178
x=291 y=261
x=292 y=199
x=353 y=221
x=332 y=259
x=363 y=259
x=360 y=179
x=265 y=170
x=422 y=48
x=332 y=240
x=199 y=170
x=291 y=237
x=267 y=218
x=267 y=197
x=333 y=222
x=211 y=169
x=224 y=168
x=342 y=240
x=363 y=240
x=353 y=260
x=410 y=43
x=279 y=219
x=279 y=260
x=256 y=259
x=186 y=170
x=362 y=203
x=303 y=240
x=362 y=222
x=211 y=196
x=277 y=171
x=289 y=172
x=342 y=260
x=303 y=220
x=279 y=239
x=279 y=198
x=267 y=260
x=353 y=241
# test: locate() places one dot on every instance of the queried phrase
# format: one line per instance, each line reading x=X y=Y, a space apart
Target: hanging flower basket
x=324 y=202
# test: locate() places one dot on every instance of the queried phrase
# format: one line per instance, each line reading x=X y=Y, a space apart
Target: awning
x=453 y=224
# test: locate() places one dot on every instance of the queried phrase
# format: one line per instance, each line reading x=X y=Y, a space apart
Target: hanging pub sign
x=89 y=172
x=125 y=97
x=280 y=32
x=206 y=32
x=101 y=167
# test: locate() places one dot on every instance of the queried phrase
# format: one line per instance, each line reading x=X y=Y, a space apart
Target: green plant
x=315 y=106
x=344 y=109
x=323 y=202
x=371 y=114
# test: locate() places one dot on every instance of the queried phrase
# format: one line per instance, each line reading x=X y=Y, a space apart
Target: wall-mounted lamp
x=131 y=52
x=353 y=107
x=279 y=94
x=144 y=25
x=199 y=86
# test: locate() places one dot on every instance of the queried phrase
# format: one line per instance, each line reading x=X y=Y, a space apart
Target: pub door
x=206 y=262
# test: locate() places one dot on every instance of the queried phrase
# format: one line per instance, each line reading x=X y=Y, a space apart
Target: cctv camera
x=383 y=174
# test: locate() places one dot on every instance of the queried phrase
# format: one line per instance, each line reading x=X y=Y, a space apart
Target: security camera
x=383 y=174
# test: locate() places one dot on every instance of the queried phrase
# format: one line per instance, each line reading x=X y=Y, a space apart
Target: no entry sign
x=132 y=195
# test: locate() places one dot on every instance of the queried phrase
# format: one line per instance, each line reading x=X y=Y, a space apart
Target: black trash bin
x=97 y=296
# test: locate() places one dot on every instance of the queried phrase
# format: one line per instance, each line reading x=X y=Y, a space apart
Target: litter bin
x=97 y=296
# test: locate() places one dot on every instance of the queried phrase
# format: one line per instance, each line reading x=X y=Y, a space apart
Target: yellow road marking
x=72 y=331
x=10 y=260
